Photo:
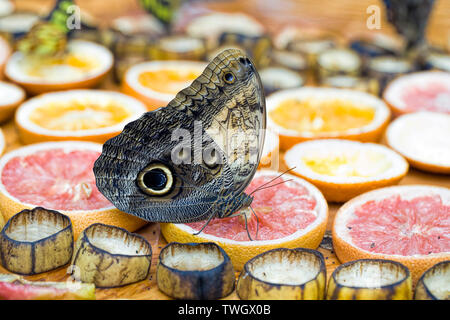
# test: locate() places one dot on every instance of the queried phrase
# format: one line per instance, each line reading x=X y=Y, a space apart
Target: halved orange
x=291 y=214
x=317 y=113
x=58 y=176
x=11 y=96
x=409 y=224
x=423 y=138
x=84 y=66
x=157 y=82
x=90 y=115
x=343 y=169
x=419 y=91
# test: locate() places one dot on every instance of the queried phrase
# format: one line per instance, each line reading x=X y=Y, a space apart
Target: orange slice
x=157 y=82
x=84 y=66
x=423 y=138
x=419 y=91
x=343 y=169
x=408 y=224
x=58 y=176
x=291 y=214
x=317 y=113
x=10 y=97
x=90 y=115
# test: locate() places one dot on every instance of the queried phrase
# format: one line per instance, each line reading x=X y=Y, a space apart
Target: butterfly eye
x=228 y=77
x=155 y=180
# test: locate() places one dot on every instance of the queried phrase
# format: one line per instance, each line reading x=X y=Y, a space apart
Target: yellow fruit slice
x=408 y=224
x=434 y=284
x=423 y=139
x=84 y=66
x=311 y=113
x=284 y=274
x=58 y=176
x=183 y=267
x=291 y=214
x=90 y=115
x=36 y=241
x=343 y=169
x=370 y=279
x=157 y=82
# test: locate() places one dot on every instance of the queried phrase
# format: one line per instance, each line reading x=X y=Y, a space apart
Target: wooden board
x=274 y=15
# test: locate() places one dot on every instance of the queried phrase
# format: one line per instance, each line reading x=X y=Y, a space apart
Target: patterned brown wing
x=179 y=163
x=231 y=107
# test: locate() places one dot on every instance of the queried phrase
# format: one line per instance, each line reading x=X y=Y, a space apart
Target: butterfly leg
x=204 y=226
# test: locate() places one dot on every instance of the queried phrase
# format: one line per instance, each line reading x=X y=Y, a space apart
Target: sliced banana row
x=40 y=240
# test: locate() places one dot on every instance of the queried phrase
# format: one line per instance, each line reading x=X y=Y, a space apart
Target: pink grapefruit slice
x=58 y=176
x=408 y=224
x=419 y=91
x=291 y=214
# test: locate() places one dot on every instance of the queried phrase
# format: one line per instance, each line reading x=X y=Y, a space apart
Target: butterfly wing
x=201 y=167
x=149 y=141
x=235 y=119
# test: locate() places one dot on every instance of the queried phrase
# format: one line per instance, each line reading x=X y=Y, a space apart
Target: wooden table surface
x=337 y=15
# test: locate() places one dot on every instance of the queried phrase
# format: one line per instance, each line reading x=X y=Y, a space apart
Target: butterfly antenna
x=261 y=187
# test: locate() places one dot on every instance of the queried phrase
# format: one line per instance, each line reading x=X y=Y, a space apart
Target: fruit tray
x=148 y=289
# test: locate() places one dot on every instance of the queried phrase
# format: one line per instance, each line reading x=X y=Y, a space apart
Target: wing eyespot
x=155 y=180
x=229 y=77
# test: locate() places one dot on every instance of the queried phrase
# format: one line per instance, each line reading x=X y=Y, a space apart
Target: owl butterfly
x=191 y=160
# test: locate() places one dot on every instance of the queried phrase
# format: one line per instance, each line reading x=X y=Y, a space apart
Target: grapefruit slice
x=11 y=96
x=423 y=139
x=84 y=66
x=291 y=214
x=419 y=91
x=14 y=287
x=58 y=176
x=92 y=115
x=157 y=82
x=343 y=169
x=408 y=224
x=311 y=113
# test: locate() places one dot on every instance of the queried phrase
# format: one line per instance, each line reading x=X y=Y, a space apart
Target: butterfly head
x=228 y=206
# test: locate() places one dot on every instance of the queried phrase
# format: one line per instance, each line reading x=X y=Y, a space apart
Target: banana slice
x=109 y=256
x=283 y=274
x=195 y=271
x=434 y=284
x=370 y=279
x=14 y=287
x=35 y=241
x=178 y=48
